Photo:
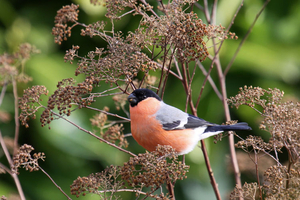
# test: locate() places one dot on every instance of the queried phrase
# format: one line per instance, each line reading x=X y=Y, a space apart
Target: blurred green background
x=269 y=58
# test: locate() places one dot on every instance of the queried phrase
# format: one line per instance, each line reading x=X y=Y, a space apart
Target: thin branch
x=260 y=149
x=131 y=11
x=13 y=175
x=108 y=113
x=4 y=87
x=245 y=37
x=177 y=68
x=163 y=65
x=92 y=134
x=210 y=80
x=204 y=151
x=17 y=123
x=6 y=169
x=167 y=75
x=152 y=11
x=257 y=174
x=126 y=190
x=54 y=182
x=235 y=14
x=213 y=15
x=199 y=7
x=206 y=12
x=210 y=172
x=170 y=188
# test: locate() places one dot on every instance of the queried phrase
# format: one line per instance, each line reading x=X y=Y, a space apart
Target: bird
x=154 y=122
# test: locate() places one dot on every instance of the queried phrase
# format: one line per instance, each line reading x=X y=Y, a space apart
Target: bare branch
x=54 y=182
x=13 y=175
x=245 y=37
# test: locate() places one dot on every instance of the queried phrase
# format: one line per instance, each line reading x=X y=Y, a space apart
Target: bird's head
x=141 y=94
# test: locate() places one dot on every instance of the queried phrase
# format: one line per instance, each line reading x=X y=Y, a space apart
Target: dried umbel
x=145 y=170
x=109 y=130
x=248 y=191
x=121 y=62
x=153 y=170
x=281 y=121
x=65 y=15
x=12 y=65
x=282 y=183
x=103 y=183
x=24 y=159
x=68 y=93
x=29 y=103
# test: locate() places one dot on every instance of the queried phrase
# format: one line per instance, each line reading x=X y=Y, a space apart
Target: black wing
x=195 y=122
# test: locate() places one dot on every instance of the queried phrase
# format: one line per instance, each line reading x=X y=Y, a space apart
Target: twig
x=213 y=15
x=92 y=134
x=199 y=6
x=206 y=12
x=171 y=190
x=234 y=16
x=260 y=149
x=17 y=123
x=210 y=172
x=131 y=11
x=54 y=182
x=245 y=37
x=210 y=80
x=257 y=174
x=167 y=75
x=6 y=169
x=126 y=190
x=204 y=151
x=228 y=118
x=4 y=87
x=152 y=11
x=13 y=175
x=108 y=113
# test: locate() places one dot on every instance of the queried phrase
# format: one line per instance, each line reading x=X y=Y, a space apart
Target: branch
x=13 y=175
x=210 y=80
x=17 y=123
x=245 y=37
x=108 y=113
x=204 y=151
x=92 y=134
x=4 y=87
x=54 y=182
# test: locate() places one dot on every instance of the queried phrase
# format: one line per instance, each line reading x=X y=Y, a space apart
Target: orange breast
x=148 y=132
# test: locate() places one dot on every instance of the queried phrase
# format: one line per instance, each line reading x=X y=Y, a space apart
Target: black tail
x=235 y=127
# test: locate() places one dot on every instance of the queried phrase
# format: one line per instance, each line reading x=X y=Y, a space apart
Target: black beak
x=132 y=100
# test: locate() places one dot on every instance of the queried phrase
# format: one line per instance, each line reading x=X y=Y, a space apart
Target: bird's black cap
x=139 y=95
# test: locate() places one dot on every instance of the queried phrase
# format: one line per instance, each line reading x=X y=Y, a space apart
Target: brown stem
x=17 y=123
x=210 y=172
x=13 y=175
x=204 y=151
x=167 y=75
x=207 y=78
x=245 y=37
x=206 y=12
x=4 y=87
x=170 y=187
x=92 y=134
x=257 y=174
x=54 y=182
x=228 y=118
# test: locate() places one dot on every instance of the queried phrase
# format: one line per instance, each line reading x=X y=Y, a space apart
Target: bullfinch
x=154 y=122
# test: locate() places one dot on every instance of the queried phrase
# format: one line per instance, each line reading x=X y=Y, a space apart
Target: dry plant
x=281 y=120
x=171 y=39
